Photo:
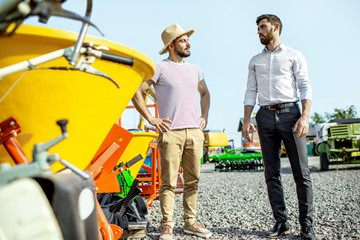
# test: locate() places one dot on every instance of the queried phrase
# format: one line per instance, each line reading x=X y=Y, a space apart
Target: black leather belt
x=279 y=106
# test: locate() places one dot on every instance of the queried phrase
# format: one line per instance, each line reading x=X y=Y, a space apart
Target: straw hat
x=171 y=33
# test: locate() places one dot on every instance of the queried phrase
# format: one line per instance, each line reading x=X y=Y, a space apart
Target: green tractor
x=342 y=145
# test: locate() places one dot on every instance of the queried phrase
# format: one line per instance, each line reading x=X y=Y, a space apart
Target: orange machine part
x=8 y=132
x=102 y=165
x=101 y=169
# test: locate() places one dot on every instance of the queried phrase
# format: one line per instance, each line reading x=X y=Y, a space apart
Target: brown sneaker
x=198 y=230
x=166 y=233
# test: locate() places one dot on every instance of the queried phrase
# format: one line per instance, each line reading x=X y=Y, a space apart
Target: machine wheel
x=205 y=155
x=139 y=201
x=321 y=147
x=324 y=162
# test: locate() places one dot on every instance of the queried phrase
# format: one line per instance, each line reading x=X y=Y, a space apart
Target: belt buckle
x=271 y=107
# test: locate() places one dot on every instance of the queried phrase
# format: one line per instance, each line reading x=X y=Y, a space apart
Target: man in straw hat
x=177 y=84
x=275 y=77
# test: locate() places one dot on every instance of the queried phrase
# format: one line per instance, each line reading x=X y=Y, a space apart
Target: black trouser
x=274 y=126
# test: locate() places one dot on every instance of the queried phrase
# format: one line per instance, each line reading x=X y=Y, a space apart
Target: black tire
x=314 y=152
x=141 y=205
x=324 y=162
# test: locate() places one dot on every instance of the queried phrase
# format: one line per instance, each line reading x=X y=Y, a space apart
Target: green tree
x=350 y=112
x=338 y=113
x=317 y=118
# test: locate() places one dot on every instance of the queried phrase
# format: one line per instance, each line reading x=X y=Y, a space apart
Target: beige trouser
x=177 y=145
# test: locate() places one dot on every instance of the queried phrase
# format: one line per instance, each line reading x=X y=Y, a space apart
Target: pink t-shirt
x=177 y=96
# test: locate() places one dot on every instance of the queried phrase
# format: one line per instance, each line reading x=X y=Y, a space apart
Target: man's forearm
x=305 y=103
x=140 y=105
x=205 y=105
x=247 y=112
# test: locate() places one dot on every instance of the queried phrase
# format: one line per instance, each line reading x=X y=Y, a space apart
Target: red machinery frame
x=150 y=182
x=101 y=167
x=10 y=128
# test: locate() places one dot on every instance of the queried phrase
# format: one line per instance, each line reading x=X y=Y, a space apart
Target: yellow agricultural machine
x=213 y=140
x=53 y=184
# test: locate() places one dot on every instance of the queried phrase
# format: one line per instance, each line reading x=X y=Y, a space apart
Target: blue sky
x=226 y=38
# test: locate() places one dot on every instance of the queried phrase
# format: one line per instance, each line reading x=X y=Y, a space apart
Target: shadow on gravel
x=334 y=168
x=219 y=232
x=343 y=167
x=227 y=171
x=244 y=234
x=287 y=170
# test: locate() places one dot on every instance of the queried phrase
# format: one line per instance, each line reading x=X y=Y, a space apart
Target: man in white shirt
x=276 y=76
x=177 y=85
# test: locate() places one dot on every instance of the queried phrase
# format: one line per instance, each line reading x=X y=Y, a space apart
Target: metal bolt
x=13 y=133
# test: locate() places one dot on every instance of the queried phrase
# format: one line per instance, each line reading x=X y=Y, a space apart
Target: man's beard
x=267 y=39
x=182 y=54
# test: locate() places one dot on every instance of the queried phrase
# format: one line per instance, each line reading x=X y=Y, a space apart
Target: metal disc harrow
x=238 y=161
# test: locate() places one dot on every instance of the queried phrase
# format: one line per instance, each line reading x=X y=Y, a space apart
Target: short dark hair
x=271 y=18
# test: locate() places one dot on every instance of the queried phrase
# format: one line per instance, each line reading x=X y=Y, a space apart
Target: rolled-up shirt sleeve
x=302 y=78
x=251 y=88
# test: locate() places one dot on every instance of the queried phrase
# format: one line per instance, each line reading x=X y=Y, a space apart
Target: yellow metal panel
x=139 y=144
x=355 y=154
x=213 y=139
x=91 y=103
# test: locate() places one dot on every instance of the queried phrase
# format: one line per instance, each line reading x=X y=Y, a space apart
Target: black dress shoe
x=307 y=233
x=278 y=230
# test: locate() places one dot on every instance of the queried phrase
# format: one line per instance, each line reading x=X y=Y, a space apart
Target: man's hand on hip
x=160 y=123
x=203 y=123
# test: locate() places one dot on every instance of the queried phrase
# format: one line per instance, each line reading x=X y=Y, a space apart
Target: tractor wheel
x=324 y=162
x=321 y=147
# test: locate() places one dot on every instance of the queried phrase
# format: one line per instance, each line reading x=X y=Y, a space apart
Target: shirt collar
x=168 y=60
x=278 y=48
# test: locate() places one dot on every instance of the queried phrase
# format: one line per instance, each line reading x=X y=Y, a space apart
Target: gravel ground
x=234 y=205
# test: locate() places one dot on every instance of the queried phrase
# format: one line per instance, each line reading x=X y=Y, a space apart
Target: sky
x=226 y=38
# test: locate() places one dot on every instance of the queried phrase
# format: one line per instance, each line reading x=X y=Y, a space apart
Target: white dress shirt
x=275 y=77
